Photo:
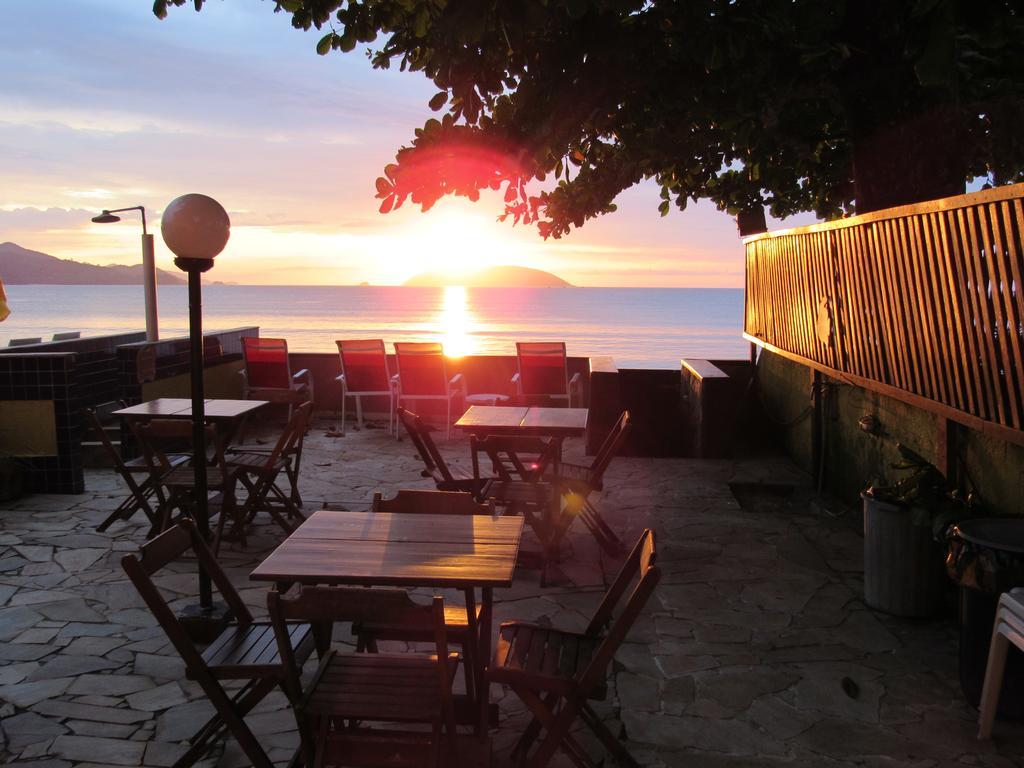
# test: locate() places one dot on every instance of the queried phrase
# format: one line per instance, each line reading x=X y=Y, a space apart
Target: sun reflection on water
x=456 y=322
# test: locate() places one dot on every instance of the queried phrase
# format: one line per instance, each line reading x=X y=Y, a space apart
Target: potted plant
x=904 y=527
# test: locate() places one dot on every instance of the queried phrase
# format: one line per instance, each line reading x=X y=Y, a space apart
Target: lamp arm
x=138 y=208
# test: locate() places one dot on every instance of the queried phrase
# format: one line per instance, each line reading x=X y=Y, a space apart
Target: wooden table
x=407 y=550
x=226 y=416
x=525 y=422
x=556 y=424
x=181 y=408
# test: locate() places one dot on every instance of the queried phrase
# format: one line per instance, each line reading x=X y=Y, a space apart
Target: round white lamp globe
x=195 y=226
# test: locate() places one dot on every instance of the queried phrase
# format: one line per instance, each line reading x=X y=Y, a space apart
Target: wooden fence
x=923 y=303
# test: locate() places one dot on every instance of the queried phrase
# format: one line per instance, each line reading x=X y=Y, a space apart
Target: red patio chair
x=365 y=373
x=268 y=373
x=544 y=373
x=423 y=375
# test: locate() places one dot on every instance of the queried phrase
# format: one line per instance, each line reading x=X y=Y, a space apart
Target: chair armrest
x=303 y=374
x=340 y=378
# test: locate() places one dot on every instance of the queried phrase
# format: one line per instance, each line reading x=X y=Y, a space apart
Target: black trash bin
x=986 y=558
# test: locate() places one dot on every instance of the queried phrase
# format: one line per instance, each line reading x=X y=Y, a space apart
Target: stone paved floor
x=740 y=660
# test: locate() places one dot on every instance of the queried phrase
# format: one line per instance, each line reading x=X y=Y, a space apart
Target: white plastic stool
x=1008 y=628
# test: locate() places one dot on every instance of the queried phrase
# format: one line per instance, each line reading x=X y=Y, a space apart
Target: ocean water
x=638 y=327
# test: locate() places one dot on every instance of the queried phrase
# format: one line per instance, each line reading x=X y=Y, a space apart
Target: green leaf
x=324 y=46
x=438 y=101
x=663 y=207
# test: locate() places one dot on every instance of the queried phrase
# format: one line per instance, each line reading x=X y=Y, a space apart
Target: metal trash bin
x=986 y=558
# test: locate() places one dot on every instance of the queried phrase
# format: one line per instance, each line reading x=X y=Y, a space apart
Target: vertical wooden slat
x=1010 y=329
x=960 y=285
x=998 y=327
x=853 y=327
x=913 y=271
x=901 y=301
x=868 y=268
x=950 y=296
x=934 y=313
x=867 y=271
x=982 y=319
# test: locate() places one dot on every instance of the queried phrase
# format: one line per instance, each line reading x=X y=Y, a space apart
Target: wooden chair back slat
x=170 y=545
x=597 y=669
x=355 y=604
x=154 y=434
x=292 y=435
x=92 y=418
x=610 y=448
x=419 y=433
x=640 y=560
x=427 y=502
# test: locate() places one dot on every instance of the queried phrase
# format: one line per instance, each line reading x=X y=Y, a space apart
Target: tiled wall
x=54 y=376
x=142 y=362
x=81 y=373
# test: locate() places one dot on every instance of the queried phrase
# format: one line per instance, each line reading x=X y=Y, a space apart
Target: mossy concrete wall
x=853 y=458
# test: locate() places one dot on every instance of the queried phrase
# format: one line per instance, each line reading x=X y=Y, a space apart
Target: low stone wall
x=852 y=457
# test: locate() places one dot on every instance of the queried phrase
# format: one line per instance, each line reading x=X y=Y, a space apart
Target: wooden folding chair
x=514 y=457
x=352 y=689
x=179 y=481
x=259 y=472
x=436 y=467
x=536 y=501
x=577 y=482
x=555 y=673
x=400 y=622
x=141 y=491
x=246 y=650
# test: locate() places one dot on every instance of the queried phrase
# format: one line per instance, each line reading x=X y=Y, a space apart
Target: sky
x=102 y=105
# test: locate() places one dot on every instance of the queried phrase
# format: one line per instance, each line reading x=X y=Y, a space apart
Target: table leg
x=475 y=459
x=484 y=657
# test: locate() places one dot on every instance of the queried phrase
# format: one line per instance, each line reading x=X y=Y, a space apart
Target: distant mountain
x=20 y=266
x=493 y=277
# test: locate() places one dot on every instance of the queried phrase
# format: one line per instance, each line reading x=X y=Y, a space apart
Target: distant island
x=20 y=266
x=492 y=277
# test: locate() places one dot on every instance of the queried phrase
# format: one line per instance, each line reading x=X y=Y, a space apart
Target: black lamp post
x=196 y=228
x=148 y=266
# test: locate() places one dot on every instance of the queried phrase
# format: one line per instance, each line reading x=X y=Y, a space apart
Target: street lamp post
x=148 y=266
x=196 y=228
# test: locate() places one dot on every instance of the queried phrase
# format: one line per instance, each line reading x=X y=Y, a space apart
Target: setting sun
x=454 y=240
x=456 y=323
